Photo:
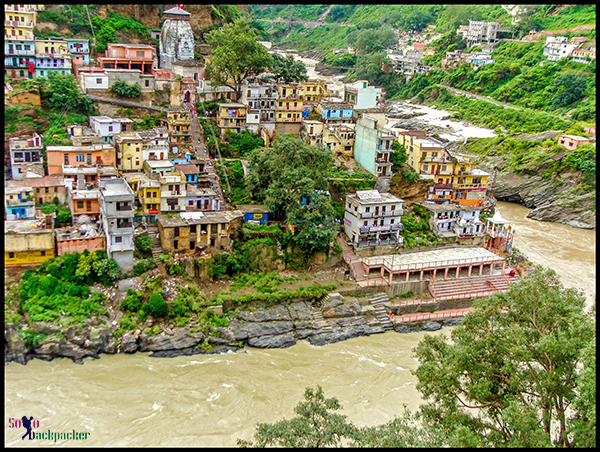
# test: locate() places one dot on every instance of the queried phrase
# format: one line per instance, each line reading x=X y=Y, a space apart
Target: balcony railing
x=383 y=161
x=120 y=247
x=459 y=185
x=124 y=208
x=16 y=23
x=387 y=213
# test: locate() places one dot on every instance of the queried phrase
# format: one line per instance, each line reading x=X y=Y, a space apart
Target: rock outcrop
x=280 y=326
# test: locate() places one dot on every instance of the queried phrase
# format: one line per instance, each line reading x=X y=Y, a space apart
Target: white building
x=24 y=151
x=455 y=220
x=557 y=48
x=108 y=127
x=116 y=212
x=372 y=218
x=363 y=96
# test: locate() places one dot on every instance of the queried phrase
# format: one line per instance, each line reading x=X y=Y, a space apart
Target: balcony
x=383 y=161
x=378 y=214
x=120 y=247
x=16 y=23
x=380 y=242
x=464 y=185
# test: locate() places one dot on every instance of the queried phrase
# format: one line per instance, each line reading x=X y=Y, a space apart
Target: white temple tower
x=176 y=37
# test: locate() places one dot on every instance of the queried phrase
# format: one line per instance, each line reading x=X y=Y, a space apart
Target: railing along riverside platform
x=431 y=316
x=392 y=267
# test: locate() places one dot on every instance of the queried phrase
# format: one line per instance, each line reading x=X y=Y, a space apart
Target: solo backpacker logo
x=30 y=423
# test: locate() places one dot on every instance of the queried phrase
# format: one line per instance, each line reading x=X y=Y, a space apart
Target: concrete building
x=23 y=151
x=314 y=90
x=176 y=37
x=108 y=127
x=116 y=212
x=52 y=56
x=28 y=242
x=77 y=239
x=289 y=107
x=129 y=147
x=572 y=141
x=60 y=157
x=129 y=56
x=19 y=58
x=18 y=201
x=200 y=198
x=46 y=188
x=373 y=219
x=231 y=117
x=361 y=95
x=311 y=131
x=80 y=51
x=335 y=112
x=260 y=99
x=19 y=21
x=455 y=220
x=179 y=126
x=190 y=232
x=340 y=138
x=84 y=204
x=557 y=48
x=373 y=147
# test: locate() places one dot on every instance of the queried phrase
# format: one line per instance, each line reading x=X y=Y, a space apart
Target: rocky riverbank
x=281 y=326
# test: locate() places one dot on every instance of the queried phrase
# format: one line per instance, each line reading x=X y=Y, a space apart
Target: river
x=211 y=400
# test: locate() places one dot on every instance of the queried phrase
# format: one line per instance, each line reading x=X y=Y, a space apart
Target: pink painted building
x=572 y=141
x=76 y=240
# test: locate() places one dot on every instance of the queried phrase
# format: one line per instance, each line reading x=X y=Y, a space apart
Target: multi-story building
x=19 y=58
x=47 y=189
x=179 y=126
x=80 y=51
x=288 y=112
x=190 y=231
x=64 y=156
x=116 y=212
x=19 y=203
x=372 y=218
x=470 y=185
x=197 y=198
x=260 y=99
x=585 y=53
x=190 y=172
x=424 y=153
x=24 y=151
x=361 y=95
x=373 y=147
x=52 y=56
x=455 y=220
x=129 y=147
x=311 y=131
x=83 y=202
x=147 y=191
x=27 y=244
x=339 y=137
x=231 y=117
x=108 y=127
x=19 y=21
x=557 y=48
x=314 y=90
x=129 y=56
x=172 y=184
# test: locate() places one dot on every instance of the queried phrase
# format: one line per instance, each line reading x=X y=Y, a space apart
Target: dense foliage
x=60 y=287
x=123 y=89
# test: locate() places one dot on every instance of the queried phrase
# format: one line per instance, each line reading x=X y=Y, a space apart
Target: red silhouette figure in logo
x=27 y=425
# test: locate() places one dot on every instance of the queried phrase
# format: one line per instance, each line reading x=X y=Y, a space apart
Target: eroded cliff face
x=555 y=199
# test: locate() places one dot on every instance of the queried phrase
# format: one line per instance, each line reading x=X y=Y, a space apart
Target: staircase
x=469 y=287
x=156 y=246
x=381 y=313
x=319 y=322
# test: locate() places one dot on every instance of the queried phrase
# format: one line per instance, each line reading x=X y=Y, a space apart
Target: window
x=368 y=209
x=175 y=232
x=118 y=239
x=192 y=245
x=79 y=157
x=192 y=229
x=139 y=53
x=89 y=159
x=11 y=255
x=148 y=82
x=42 y=253
x=98 y=81
x=47 y=190
x=88 y=205
x=80 y=204
x=110 y=128
x=175 y=244
x=66 y=159
x=444 y=167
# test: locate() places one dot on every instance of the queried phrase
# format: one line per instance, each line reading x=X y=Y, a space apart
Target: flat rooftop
x=433 y=258
x=25 y=227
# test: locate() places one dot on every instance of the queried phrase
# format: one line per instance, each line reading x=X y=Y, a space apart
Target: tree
x=287 y=69
x=511 y=372
x=123 y=89
x=60 y=92
x=317 y=225
x=399 y=157
x=571 y=88
x=282 y=174
x=315 y=426
x=236 y=56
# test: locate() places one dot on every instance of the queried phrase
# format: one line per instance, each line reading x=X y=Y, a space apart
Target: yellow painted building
x=28 y=242
x=231 y=116
x=289 y=105
x=19 y=21
x=129 y=151
x=470 y=185
x=314 y=90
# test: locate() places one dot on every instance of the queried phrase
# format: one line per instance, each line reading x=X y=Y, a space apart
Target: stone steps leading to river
x=378 y=301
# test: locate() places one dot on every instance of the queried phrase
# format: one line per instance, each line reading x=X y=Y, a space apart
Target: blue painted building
x=335 y=111
x=254 y=213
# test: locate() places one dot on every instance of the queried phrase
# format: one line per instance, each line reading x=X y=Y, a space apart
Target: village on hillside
x=118 y=183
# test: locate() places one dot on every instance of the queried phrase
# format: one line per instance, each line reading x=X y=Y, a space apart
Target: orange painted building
x=73 y=156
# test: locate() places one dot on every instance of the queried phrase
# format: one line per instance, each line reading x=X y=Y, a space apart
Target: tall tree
x=287 y=69
x=511 y=373
x=236 y=55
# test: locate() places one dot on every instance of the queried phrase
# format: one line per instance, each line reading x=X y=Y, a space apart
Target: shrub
x=123 y=89
x=157 y=306
x=132 y=301
x=143 y=244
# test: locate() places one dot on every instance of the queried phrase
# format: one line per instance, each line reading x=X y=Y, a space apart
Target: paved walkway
x=199 y=144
